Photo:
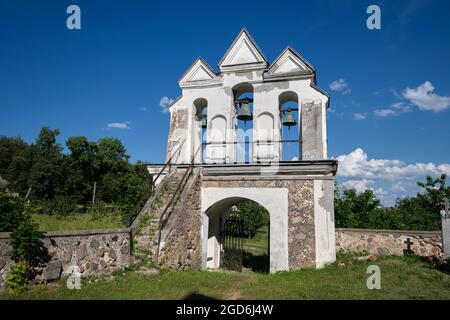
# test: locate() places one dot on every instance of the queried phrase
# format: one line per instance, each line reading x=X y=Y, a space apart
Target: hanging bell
x=288 y=118
x=204 y=121
x=244 y=112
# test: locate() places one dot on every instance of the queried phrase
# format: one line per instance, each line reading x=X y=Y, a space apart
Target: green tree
x=356 y=210
x=422 y=211
x=81 y=168
x=10 y=147
x=253 y=215
x=45 y=178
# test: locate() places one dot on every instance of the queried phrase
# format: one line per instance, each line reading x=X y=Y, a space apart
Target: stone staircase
x=146 y=228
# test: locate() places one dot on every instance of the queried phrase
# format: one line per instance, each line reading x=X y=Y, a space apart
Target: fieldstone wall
x=181 y=246
x=301 y=232
x=387 y=242
x=92 y=251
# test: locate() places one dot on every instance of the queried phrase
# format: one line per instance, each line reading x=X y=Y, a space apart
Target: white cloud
x=383 y=113
x=341 y=86
x=356 y=164
x=359 y=185
x=398 y=187
x=401 y=106
x=359 y=116
x=393 y=110
x=399 y=177
x=118 y=125
x=164 y=103
x=425 y=99
x=143 y=108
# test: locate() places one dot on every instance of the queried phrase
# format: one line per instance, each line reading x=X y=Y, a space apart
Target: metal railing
x=168 y=163
x=165 y=215
x=251 y=142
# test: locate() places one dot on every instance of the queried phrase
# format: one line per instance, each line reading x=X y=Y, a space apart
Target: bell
x=204 y=121
x=288 y=118
x=244 y=112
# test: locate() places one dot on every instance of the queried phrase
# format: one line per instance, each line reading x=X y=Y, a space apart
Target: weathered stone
x=2 y=263
x=52 y=253
x=112 y=254
x=82 y=252
x=382 y=251
x=100 y=252
x=52 y=271
x=67 y=255
x=95 y=244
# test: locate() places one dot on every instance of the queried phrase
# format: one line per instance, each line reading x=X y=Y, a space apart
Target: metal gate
x=233 y=243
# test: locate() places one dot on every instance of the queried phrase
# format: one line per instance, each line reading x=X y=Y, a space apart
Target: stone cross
x=408 y=250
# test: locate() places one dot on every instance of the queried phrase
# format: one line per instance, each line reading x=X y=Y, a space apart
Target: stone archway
x=216 y=200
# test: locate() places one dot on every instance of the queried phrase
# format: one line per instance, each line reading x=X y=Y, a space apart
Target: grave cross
x=408 y=250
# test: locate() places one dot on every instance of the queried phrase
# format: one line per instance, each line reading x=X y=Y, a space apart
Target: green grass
x=401 y=278
x=82 y=221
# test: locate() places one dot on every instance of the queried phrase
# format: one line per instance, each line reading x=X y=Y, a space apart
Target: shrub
x=18 y=277
x=25 y=243
x=59 y=205
x=11 y=212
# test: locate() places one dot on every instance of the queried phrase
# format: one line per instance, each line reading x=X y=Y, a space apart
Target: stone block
x=52 y=271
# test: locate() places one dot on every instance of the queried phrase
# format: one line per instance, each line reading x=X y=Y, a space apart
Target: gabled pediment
x=243 y=52
x=290 y=62
x=198 y=72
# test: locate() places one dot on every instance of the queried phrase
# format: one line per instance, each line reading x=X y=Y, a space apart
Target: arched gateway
x=205 y=175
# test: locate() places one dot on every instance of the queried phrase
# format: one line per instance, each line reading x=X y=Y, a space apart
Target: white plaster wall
x=275 y=200
x=324 y=224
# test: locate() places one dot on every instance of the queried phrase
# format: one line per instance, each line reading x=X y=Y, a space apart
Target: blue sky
x=390 y=88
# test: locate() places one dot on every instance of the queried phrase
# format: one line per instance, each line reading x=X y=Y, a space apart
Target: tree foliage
x=364 y=210
x=253 y=215
x=60 y=182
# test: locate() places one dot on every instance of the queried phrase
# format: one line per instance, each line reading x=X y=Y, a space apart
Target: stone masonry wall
x=301 y=236
x=385 y=242
x=182 y=243
x=93 y=251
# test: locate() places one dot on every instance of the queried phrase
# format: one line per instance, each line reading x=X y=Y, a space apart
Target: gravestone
x=408 y=250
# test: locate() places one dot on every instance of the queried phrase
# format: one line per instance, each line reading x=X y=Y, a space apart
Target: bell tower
x=250 y=111
x=250 y=130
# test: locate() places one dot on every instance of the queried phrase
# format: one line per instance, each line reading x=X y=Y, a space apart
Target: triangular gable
x=290 y=62
x=243 y=51
x=199 y=71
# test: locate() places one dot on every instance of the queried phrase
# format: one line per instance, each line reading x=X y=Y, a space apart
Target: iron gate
x=233 y=243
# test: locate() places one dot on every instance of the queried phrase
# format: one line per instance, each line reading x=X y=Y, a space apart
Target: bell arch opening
x=238 y=228
x=290 y=126
x=243 y=121
x=200 y=129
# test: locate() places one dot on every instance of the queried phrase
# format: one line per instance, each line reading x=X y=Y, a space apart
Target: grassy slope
x=75 y=222
x=401 y=278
